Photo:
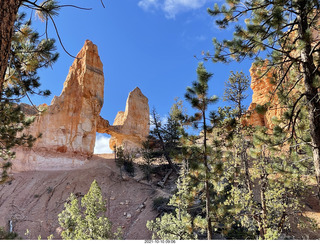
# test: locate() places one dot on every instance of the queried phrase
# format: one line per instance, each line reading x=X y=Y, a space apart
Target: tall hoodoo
x=131 y=127
x=69 y=124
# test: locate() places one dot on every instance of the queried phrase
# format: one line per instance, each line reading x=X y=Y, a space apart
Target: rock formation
x=131 y=127
x=69 y=125
x=263 y=92
x=263 y=89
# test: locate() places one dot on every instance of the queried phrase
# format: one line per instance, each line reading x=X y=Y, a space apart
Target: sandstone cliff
x=263 y=92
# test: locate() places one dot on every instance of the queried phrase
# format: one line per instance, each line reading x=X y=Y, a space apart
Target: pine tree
x=197 y=95
x=8 y=16
x=255 y=164
x=179 y=224
x=148 y=156
x=87 y=220
x=235 y=92
x=28 y=54
x=22 y=53
x=286 y=33
x=166 y=135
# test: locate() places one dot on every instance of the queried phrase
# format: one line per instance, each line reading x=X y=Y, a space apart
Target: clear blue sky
x=146 y=43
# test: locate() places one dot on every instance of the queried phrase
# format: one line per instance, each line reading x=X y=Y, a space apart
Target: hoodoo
x=131 y=127
x=69 y=125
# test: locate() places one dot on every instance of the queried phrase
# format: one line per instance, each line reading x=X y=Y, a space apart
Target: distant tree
x=124 y=160
x=286 y=32
x=235 y=92
x=148 y=156
x=87 y=220
x=166 y=135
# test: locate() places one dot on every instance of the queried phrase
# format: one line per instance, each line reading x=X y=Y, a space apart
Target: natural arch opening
x=102 y=144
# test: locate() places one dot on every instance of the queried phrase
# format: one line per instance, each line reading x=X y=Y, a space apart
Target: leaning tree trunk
x=8 y=13
x=312 y=96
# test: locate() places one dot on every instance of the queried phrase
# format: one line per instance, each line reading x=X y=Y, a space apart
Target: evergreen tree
x=167 y=136
x=255 y=164
x=197 y=95
x=8 y=15
x=22 y=53
x=179 y=224
x=236 y=92
x=286 y=30
x=149 y=155
x=124 y=159
x=28 y=54
x=279 y=181
x=87 y=220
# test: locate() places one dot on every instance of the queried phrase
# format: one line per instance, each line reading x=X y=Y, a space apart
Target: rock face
x=131 y=127
x=70 y=123
x=262 y=93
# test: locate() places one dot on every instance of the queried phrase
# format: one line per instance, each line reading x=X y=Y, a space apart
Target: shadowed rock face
x=69 y=124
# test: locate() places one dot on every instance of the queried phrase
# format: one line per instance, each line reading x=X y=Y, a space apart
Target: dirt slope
x=32 y=200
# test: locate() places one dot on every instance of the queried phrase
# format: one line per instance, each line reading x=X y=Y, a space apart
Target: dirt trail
x=32 y=200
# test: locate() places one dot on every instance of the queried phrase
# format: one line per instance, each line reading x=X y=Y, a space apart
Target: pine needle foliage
x=199 y=99
x=28 y=54
x=179 y=224
x=284 y=33
x=86 y=220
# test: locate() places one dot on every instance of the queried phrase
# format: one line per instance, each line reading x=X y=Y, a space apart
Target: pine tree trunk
x=8 y=13
x=206 y=184
x=264 y=214
x=244 y=159
x=312 y=96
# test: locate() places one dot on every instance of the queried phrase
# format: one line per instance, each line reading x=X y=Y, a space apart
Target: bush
x=125 y=160
x=4 y=235
x=161 y=204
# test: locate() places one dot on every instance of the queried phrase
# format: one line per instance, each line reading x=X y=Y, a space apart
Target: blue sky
x=146 y=43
